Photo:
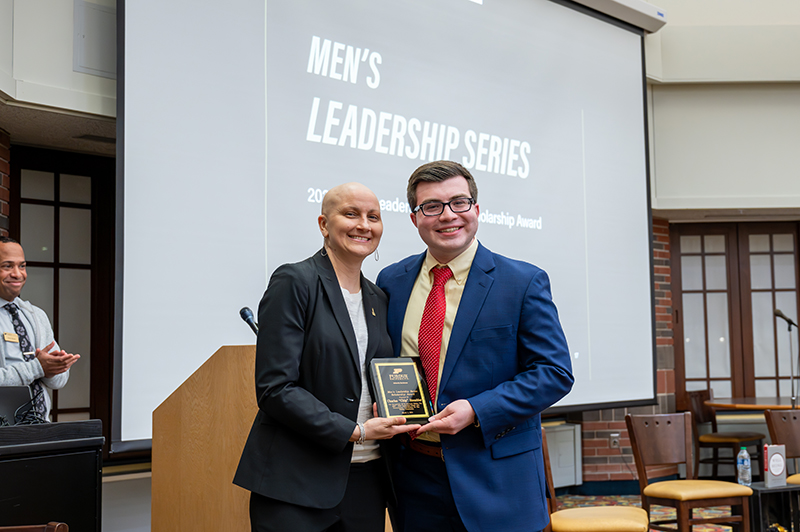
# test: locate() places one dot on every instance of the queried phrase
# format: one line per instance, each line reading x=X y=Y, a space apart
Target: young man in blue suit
x=495 y=356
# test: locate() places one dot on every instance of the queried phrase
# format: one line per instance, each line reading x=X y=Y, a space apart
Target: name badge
x=11 y=337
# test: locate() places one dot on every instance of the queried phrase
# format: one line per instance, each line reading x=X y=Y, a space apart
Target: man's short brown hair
x=436 y=172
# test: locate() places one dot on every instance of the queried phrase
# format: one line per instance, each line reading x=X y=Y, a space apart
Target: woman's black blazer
x=308 y=384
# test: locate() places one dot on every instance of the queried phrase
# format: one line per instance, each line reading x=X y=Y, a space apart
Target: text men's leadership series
x=394 y=134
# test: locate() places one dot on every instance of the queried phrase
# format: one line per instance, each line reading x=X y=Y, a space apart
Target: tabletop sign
x=401 y=389
x=774 y=466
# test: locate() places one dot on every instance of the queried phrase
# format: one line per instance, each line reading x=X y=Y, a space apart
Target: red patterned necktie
x=431 y=326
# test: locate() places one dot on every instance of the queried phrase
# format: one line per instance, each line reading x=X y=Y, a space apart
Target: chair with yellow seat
x=784 y=428
x=666 y=440
x=589 y=519
x=715 y=440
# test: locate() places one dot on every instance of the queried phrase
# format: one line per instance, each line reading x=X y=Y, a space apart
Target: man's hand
x=56 y=362
x=452 y=419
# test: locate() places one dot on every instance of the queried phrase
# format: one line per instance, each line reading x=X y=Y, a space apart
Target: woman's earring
x=377 y=256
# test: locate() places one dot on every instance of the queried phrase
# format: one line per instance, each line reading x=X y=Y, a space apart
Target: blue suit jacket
x=508 y=356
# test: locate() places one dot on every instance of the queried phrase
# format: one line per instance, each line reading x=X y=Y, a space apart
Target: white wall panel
x=730 y=54
x=726 y=146
x=42 y=58
x=726 y=41
x=6 y=46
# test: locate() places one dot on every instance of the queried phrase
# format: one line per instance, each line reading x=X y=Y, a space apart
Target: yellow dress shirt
x=453 y=290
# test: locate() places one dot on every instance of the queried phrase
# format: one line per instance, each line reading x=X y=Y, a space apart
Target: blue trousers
x=424 y=498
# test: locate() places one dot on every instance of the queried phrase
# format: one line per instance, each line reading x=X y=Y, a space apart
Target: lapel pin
x=373 y=312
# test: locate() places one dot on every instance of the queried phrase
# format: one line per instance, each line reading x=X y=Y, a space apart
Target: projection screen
x=238 y=117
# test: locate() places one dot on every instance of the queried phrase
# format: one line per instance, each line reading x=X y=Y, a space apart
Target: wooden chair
x=49 y=527
x=666 y=440
x=715 y=440
x=784 y=428
x=589 y=519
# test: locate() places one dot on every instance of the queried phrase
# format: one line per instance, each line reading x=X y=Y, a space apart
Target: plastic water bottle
x=743 y=467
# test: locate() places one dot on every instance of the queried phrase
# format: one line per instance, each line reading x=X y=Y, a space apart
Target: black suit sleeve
x=282 y=351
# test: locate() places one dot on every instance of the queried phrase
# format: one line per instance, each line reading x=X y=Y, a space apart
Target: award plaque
x=400 y=389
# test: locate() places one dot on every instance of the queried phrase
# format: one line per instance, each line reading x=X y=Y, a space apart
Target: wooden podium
x=198 y=436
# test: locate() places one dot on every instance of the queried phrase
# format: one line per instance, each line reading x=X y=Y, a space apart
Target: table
x=774 y=505
x=755 y=404
x=752 y=403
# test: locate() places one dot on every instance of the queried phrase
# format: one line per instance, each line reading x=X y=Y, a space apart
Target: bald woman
x=312 y=460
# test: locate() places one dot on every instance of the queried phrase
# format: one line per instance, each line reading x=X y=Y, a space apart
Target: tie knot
x=11 y=307
x=441 y=275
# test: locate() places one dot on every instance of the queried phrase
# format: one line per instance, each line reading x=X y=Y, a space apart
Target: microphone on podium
x=781 y=315
x=247 y=316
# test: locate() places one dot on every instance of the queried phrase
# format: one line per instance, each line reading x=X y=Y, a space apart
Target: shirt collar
x=459 y=266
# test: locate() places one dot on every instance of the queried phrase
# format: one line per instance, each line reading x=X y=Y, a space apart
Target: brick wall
x=601 y=462
x=5 y=180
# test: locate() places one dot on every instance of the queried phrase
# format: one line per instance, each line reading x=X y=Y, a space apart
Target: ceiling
x=56 y=129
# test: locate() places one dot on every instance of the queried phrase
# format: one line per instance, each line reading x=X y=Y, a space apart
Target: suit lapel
x=401 y=287
x=477 y=288
x=373 y=318
x=334 y=292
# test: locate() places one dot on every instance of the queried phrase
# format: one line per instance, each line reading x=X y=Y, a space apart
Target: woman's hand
x=383 y=428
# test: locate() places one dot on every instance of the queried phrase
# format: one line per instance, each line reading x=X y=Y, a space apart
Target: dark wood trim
x=56 y=318
x=63 y=266
x=677 y=316
x=68 y=205
x=74 y=410
x=746 y=315
x=738 y=385
x=13 y=202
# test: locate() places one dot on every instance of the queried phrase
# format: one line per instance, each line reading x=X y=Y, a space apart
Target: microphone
x=247 y=316
x=781 y=315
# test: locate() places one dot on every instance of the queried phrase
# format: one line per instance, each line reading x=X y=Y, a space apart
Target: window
x=769 y=282
x=62 y=212
x=730 y=278
x=55 y=229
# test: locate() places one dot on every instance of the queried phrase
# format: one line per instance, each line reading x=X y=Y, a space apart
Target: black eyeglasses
x=435 y=208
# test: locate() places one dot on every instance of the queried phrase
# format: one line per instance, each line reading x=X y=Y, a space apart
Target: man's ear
x=414 y=219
